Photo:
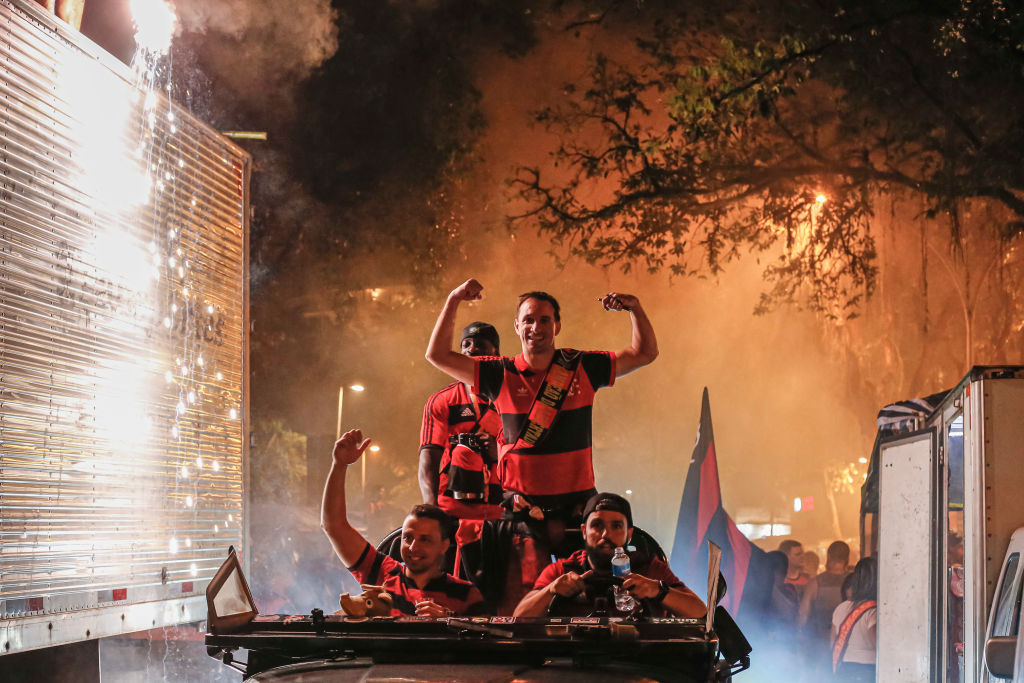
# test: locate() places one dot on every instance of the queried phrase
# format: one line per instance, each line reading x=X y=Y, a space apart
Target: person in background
x=456 y=410
x=854 y=626
x=812 y=563
x=795 y=575
x=820 y=599
x=418 y=584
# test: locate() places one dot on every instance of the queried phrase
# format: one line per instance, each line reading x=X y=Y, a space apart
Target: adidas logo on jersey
x=466 y=412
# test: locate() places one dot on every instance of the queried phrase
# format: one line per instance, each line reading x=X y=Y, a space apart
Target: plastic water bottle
x=624 y=602
x=620 y=563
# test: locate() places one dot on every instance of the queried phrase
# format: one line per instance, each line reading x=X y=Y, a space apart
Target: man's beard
x=600 y=559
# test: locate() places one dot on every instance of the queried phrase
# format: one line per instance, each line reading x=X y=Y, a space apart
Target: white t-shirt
x=861 y=648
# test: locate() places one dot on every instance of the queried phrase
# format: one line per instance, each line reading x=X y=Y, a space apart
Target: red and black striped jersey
x=373 y=568
x=655 y=569
x=452 y=411
x=562 y=462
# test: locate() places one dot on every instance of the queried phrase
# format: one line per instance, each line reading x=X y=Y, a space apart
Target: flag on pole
x=702 y=518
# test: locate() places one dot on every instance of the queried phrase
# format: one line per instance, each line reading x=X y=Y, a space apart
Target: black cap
x=608 y=501
x=483 y=331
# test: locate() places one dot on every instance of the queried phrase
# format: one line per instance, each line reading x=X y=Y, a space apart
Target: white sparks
x=154 y=24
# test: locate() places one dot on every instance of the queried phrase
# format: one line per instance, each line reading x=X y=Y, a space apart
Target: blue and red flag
x=701 y=519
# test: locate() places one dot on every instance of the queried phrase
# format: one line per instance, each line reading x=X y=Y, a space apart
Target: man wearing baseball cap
x=607 y=525
x=462 y=491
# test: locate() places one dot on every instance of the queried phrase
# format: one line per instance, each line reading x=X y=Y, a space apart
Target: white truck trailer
x=123 y=319
x=949 y=498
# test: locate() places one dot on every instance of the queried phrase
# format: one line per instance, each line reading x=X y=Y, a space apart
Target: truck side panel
x=122 y=343
x=907 y=501
x=996 y=453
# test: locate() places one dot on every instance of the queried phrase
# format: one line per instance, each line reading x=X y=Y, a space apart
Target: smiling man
x=607 y=524
x=418 y=583
x=544 y=395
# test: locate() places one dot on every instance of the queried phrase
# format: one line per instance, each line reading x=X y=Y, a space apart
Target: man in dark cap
x=607 y=525
x=448 y=413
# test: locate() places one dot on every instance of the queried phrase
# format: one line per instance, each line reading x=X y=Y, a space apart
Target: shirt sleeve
x=600 y=368
x=475 y=605
x=371 y=566
x=434 y=430
x=549 y=574
x=659 y=571
x=488 y=377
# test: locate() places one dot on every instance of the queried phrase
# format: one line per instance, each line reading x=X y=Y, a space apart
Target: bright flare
x=154 y=22
x=821 y=199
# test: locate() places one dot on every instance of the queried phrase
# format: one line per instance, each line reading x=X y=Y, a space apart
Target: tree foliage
x=780 y=133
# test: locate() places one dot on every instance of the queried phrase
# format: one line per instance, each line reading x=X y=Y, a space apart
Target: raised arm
x=430 y=464
x=347 y=542
x=439 y=350
x=643 y=348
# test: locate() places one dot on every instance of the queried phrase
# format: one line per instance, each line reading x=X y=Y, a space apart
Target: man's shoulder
x=447 y=392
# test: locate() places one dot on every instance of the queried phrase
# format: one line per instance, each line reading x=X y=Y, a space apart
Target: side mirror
x=229 y=603
x=999 y=655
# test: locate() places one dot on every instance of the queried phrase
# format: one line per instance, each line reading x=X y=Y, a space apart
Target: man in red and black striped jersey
x=456 y=409
x=418 y=584
x=544 y=395
x=607 y=525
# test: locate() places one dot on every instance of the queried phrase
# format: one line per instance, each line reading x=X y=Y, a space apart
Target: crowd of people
x=823 y=621
x=512 y=523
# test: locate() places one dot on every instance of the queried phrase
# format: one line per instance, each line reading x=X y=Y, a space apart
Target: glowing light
x=106 y=169
x=629 y=492
x=188 y=542
x=167 y=323
x=220 y=376
x=188 y=501
x=168 y=377
x=174 y=545
x=191 y=397
x=357 y=387
x=209 y=309
x=821 y=199
x=199 y=463
x=216 y=528
x=181 y=407
x=231 y=517
x=200 y=361
x=862 y=461
x=375 y=448
x=233 y=414
x=797 y=505
x=216 y=466
x=192 y=569
x=184 y=472
x=154 y=22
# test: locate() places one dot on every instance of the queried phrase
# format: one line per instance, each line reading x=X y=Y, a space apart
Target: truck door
x=908 y=611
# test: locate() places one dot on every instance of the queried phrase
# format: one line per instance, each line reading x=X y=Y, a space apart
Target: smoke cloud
x=265 y=39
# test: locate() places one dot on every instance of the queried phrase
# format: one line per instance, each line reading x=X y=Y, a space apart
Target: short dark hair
x=789 y=544
x=540 y=296
x=444 y=521
x=838 y=551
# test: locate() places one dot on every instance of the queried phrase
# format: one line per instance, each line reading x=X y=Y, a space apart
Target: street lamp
x=358 y=388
